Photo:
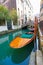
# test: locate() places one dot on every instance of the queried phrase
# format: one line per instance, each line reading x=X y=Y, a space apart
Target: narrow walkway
x=36 y=55
x=32 y=56
x=39 y=58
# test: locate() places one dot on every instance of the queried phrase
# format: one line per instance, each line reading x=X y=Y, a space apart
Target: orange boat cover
x=19 y=42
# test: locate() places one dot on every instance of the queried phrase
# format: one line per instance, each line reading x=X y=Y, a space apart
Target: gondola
x=22 y=47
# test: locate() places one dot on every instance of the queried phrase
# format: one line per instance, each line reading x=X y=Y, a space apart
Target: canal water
x=5 y=50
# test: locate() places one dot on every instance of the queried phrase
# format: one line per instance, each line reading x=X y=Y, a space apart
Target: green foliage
x=4 y=13
x=13 y=15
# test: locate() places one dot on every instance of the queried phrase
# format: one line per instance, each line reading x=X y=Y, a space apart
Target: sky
x=36 y=6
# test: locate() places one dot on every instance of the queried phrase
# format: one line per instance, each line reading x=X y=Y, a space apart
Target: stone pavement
x=32 y=58
x=36 y=58
x=39 y=58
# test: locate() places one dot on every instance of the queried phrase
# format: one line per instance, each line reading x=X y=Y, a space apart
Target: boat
x=19 y=42
x=22 y=47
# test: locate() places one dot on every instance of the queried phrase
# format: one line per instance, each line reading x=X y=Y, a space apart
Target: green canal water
x=6 y=51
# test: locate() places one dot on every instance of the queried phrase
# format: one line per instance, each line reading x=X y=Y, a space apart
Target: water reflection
x=2 y=40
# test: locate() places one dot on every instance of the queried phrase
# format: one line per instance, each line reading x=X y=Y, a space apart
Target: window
x=19 y=22
x=41 y=7
x=30 y=8
x=41 y=14
x=18 y=9
x=29 y=11
x=22 y=1
x=25 y=18
x=4 y=0
x=2 y=22
x=22 y=21
x=21 y=12
x=14 y=22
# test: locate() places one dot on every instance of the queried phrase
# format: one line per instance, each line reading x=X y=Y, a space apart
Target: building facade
x=41 y=10
x=41 y=15
x=23 y=7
